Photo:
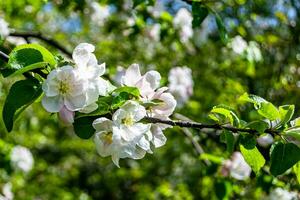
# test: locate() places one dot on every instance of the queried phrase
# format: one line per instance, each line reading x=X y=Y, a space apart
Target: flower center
x=63 y=87
x=107 y=137
x=128 y=120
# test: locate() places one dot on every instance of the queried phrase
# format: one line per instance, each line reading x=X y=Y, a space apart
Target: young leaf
x=130 y=90
x=286 y=113
x=283 y=156
x=269 y=111
x=251 y=98
x=251 y=154
x=21 y=95
x=83 y=127
x=199 y=12
x=293 y=132
x=26 y=55
x=296 y=169
x=226 y=112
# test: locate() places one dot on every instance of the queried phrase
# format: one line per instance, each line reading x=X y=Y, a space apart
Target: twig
x=197 y=125
x=38 y=35
x=4 y=56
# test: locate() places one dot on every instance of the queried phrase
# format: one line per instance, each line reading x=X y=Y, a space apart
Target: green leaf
x=286 y=113
x=31 y=67
x=221 y=27
x=259 y=126
x=21 y=95
x=283 y=156
x=263 y=107
x=228 y=138
x=296 y=169
x=199 y=12
x=251 y=154
x=26 y=55
x=123 y=94
x=269 y=111
x=83 y=127
x=130 y=90
x=251 y=98
x=222 y=112
x=293 y=132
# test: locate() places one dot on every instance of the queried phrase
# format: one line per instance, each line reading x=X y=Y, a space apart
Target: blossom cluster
x=250 y=50
x=77 y=87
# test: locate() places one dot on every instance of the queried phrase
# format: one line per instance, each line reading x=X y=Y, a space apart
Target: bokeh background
x=67 y=167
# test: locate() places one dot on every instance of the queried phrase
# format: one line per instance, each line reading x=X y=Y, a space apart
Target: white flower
x=123 y=136
x=65 y=87
x=89 y=70
x=181 y=83
x=78 y=88
x=7 y=192
x=4 y=30
x=253 y=52
x=265 y=140
x=238 y=45
x=236 y=167
x=157 y=9
x=99 y=13
x=183 y=21
x=282 y=194
x=21 y=159
x=148 y=85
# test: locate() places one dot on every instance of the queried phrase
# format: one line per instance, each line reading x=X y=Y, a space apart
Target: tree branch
x=197 y=125
x=4 y=56
x=38 y=35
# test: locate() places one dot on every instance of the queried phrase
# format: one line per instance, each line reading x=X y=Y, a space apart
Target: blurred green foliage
x=67 y=167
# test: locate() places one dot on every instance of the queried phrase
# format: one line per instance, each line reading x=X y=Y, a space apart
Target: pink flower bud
x=66 y=116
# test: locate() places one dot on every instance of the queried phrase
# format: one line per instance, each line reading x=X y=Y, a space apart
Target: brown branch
x=38 y=35
x=197 y=125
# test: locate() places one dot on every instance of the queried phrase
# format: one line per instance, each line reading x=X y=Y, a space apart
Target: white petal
x=139 y=153
x=81 y=53
x=52 y=104
x=153 y=77
x=144 y=144
x=75 y=103
x=66 y=115
x=103 y=148
x=132 y=75
x=168 y=106
x=159 y=138
x=89 y=108
x=103 y=86
x=115 y=159
x=102 y=124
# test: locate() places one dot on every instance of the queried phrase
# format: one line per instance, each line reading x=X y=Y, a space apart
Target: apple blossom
x=148 y=85
x=21 y=158
x=282 y=194
x=154 y=32
x=123 y=136
x=4 y=30
x=236 y=167
x=253 y=52
x=181 y=84
x=65 y=87
x=183 y=21
x=238 y=45
x=7 y=192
